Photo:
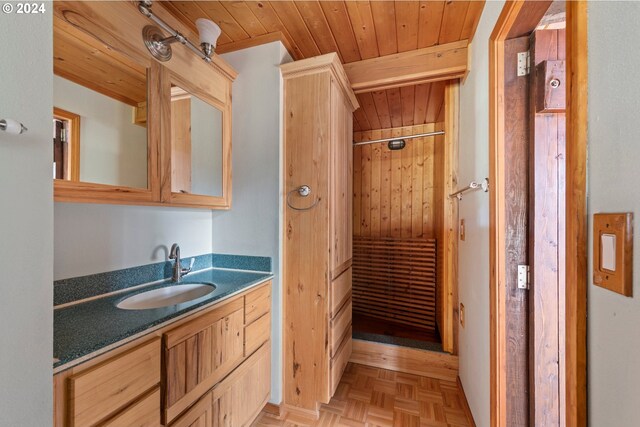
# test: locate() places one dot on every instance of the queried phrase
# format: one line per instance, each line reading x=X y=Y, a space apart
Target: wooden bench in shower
x=394 y=279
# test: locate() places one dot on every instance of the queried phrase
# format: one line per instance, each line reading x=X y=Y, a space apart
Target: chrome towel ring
x=303 y=191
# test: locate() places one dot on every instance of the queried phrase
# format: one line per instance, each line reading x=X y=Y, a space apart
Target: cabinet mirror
x=200 y=144
x=128 y=129
x=196 y=145
x=102 y=149
x=98 y=138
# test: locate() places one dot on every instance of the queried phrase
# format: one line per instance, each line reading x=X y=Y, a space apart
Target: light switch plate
x=613 y=252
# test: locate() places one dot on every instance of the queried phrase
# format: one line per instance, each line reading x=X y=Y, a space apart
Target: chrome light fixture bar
x=160 y=46
x=398 y=138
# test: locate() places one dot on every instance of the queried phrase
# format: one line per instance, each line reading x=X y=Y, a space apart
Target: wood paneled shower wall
x=394 y=191
x=398 y=210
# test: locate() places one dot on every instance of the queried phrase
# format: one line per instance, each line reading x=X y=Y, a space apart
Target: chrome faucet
x=178 y=271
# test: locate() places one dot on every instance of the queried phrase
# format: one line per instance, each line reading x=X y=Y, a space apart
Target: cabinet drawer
x=257 y=333
x=111 y=385
x=257 y=303
x=339 y=362
x=340 y=291
x=144 y=413
x=339 y=326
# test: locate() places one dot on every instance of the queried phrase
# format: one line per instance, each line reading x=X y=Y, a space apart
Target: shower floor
x=377 y=330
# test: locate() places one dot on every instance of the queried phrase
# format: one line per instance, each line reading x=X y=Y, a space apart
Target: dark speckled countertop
x=87 y=328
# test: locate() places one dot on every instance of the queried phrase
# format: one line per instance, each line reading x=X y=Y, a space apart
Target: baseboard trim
x=426 y=363
x=286 y=410
x=273 y=410
x=465 y=403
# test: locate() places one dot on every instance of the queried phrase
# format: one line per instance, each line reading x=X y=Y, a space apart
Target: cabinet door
x=200 y=415
x=200 y=353
x=341 y=177
x=144 y=413
x=239 y=398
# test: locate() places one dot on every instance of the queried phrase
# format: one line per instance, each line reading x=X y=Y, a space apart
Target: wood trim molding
x=449 y=328
x=74 y=151
x=286 y=410
x=330 y=62
x=436 y=63
x=432 y=364
x=576 y=215
x=465 y=404
x=497 y=215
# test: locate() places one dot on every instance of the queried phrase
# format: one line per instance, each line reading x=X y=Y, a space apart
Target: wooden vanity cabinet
x=210 y=369
x=213 y=347
x=318 y=123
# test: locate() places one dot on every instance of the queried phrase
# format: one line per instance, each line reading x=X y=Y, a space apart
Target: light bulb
x=209 y=32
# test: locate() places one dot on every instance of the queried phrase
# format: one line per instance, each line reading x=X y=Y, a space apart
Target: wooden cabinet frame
x=318 y=133
x=86 y=192
x=220 y=99
x=117 y=26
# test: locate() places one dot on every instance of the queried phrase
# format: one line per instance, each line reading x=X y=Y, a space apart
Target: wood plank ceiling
x=405 y=106
x=356 y=30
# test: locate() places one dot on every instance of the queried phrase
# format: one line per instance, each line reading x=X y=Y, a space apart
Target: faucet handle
x=185 y=271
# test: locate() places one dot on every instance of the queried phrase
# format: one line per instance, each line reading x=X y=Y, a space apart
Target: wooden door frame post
x=518 y=18
x=449 y=245
x=576 y=215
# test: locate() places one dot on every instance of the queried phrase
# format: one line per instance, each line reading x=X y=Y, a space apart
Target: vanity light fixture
x=160 y=46
x=12 y=126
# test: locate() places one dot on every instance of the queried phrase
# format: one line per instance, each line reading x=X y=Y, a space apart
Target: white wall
x=614 y=173
x=252 y=227
x=97 y=238
x=26 y=221
x=473 y=253
x=113 y=150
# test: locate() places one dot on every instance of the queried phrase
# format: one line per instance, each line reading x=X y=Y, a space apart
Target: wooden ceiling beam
x=436 y=63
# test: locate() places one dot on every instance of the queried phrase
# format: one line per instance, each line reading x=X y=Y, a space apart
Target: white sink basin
x=169 y=295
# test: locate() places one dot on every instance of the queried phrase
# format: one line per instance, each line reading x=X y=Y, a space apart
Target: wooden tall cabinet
x=318 y=123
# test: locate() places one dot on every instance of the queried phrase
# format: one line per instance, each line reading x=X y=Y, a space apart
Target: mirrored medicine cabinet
x=127 y=129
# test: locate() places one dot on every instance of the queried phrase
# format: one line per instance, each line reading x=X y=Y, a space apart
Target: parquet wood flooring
x=373 y=397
